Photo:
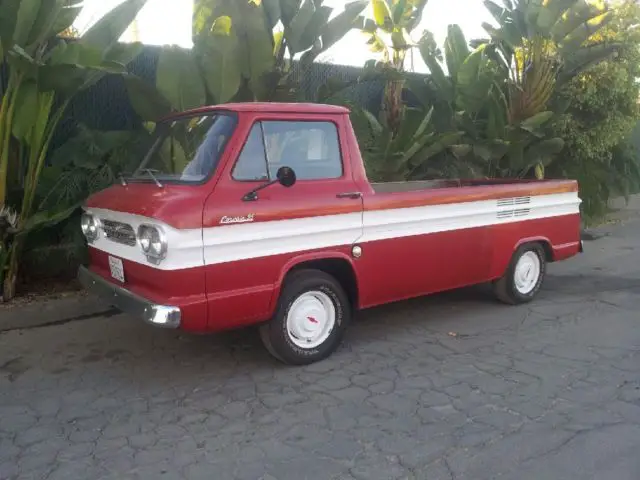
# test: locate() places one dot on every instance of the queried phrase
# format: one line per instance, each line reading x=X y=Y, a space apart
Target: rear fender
x=502 y=261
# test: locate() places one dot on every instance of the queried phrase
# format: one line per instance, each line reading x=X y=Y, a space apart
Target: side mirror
x=286 y=176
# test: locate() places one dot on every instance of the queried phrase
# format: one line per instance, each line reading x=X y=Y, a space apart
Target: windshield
x=187 y=149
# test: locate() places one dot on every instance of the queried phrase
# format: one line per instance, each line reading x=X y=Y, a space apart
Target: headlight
x=153 y=242
x=90 y=227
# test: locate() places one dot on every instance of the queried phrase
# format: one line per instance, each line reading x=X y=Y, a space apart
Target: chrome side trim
x=165 y=316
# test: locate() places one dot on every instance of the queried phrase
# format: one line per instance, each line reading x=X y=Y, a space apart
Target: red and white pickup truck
x=261 y=213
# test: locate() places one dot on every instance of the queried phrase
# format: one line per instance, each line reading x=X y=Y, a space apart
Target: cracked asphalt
x=454 y=386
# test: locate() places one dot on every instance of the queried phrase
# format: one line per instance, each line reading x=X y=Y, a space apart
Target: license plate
x=117 y=268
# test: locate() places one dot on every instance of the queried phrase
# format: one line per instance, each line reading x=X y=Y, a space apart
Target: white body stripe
x=406 y=222
x=221 y=244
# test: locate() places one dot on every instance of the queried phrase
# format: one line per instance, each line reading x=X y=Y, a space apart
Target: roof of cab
x=268 y=107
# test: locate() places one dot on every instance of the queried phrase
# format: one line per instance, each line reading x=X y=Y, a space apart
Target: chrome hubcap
x=527 y=273
x=311 y=319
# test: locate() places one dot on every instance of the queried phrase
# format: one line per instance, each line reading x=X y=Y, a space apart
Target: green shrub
x=597 y=127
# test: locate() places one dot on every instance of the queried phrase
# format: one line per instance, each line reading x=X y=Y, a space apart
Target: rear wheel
x=312 y=314
x=524 y=276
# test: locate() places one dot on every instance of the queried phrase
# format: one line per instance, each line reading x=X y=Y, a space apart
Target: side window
x=252 y=162
x=312 y=149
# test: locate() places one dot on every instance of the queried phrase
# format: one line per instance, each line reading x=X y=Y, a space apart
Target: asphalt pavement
x=454 y=386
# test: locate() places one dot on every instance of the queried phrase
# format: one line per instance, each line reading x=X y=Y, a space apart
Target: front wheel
x=524 y=276
x=312 y=314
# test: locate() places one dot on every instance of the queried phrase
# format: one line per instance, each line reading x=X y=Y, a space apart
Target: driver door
x=249 y=245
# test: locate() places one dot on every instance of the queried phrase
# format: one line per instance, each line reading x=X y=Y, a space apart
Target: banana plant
x=541 y=45
x=402 y=155
x=389 y=34
x=243 y=51
x=45 y=73
x=472 y=97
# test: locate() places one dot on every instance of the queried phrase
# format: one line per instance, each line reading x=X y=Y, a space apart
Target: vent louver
x=504 y=213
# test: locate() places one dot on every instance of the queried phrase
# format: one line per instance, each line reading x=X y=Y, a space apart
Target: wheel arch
x=504 y=260
x=544 y=242
x=337 y=264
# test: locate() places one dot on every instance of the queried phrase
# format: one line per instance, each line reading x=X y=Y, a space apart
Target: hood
x=179 y=206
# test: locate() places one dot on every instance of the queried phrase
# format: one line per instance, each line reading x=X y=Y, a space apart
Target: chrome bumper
x=165 y=316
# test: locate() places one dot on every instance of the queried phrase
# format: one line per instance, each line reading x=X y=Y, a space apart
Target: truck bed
x=414 y=186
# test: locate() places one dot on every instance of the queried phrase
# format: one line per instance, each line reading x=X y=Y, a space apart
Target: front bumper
x=165 y=316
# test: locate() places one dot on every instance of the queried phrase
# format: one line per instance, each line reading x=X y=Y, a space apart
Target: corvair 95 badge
x=227 y=220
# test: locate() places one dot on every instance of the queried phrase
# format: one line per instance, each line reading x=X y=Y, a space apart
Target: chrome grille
x=119 y=232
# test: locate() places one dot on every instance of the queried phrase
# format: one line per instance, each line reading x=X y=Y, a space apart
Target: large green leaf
x=54 y=16
x=220 y=67
x=145 y=99
x=580 y=35
x=315 y=27
x=584 y=58
x=65 y=79
x=272 y=11
x=106 y=32
x=255 y=47
x=295 y=31
x=468 y=81
x=399 y=8
x=456 y=50
x=541 y=154
x=47 y=15
x=25 y=20
x=288 y=10
x=335 y=29
x=66 y=17
x=495 y=10
x=8 y=15
x=416 y=17
x=124 y=53
x=429 y=54
x=382 y=15
x=75 y=53
x=552 y=12
x=21 y=61
x=579 y=14
x=178 y=79
x=533 y=123
x=26 y=113
x=374 y=124
x=441 y=143
x=47 y=219
x=422 y=128
x=203 y=16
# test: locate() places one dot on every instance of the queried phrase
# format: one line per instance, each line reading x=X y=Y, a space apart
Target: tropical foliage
x=599 y=123
x=389 y=34
x=550 y=91
x=243 y=51
x=45 y=73
x=498 y=94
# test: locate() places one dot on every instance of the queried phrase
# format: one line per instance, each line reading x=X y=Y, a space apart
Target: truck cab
x=244 y=214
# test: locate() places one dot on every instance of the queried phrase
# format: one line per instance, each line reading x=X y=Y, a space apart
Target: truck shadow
x=123 y=348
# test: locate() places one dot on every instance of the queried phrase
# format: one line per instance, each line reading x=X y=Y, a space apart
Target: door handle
x=351 y=195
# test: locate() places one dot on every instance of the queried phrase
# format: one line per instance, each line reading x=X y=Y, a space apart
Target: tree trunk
x=11 y=274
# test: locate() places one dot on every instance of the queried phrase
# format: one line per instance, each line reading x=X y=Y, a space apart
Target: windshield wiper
x=150 y=171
